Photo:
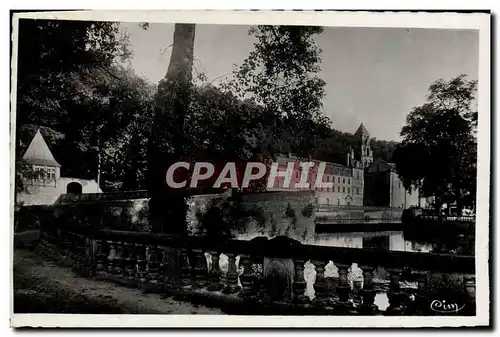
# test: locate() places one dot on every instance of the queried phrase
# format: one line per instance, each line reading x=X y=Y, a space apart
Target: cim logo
x=446 y=307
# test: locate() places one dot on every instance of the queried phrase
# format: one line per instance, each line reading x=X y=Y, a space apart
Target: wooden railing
x=191 y=265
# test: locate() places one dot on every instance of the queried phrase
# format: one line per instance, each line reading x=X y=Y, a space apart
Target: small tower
x=39 y=156
x=366 y=152
x=350 y=158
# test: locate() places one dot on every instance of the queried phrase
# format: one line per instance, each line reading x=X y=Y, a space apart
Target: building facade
x=363 y=181
x=384 y=188
x=347 y=180
x=45 y=185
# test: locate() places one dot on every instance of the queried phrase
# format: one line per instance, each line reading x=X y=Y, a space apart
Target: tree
x=167 y=140
x=65 y=75
x=281 y=75
x=438 y=154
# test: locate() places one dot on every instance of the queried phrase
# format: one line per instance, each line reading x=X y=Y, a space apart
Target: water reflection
x=389 y=240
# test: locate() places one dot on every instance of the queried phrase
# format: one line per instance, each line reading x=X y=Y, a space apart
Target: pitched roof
x=380 y=165
x=38 y=152
x=361 y=131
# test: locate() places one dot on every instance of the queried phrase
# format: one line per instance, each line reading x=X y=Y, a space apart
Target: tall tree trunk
x=166 y=144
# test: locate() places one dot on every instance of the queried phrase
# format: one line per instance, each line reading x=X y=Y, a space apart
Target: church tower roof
x=361 y=131
x=38 y=152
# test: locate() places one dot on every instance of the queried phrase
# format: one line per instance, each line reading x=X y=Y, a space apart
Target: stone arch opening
x=74 y=188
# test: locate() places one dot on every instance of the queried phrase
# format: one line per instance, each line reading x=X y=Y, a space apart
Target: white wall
x=47 y=195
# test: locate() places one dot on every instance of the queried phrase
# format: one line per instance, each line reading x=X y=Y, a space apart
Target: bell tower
x=366 y=152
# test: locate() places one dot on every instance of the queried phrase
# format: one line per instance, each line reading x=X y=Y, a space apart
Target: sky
x=373 y=75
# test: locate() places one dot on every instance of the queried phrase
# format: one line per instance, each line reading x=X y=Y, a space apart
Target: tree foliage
x=439 y=149
x=281 y=75
x=71 y=84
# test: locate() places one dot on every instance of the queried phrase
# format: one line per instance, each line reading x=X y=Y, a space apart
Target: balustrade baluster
x=420 y=304
x=101 y=259
x=299 y=282
x=185 y=269
x=258 y=262
x=75 y=252
x=248 y=277
x=368 y=293
x=320 y=286
x=394 y=294
x=161 y=266
x=119 y=259
x=200 y=268
x=141 y=262
x=153 y=264
x=215 y=272
x=131 y=260
x=231 y=275
x=111 y=257
x=470 y=288
x=343 y=288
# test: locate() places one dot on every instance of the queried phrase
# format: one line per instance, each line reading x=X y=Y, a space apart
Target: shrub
x=308 y=210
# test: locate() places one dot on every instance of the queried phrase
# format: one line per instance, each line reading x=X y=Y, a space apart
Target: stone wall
x=284 y=213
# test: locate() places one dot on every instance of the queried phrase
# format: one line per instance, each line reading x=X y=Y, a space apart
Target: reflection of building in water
x=377 y=242
x=389 y=240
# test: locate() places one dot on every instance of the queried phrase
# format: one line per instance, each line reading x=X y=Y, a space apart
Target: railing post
x=299 y=282
x=215 y=272
x=231 y=275
x=320 y=282
x=394 y=294
x=185 y=269
x=343 y=288
x=141 y=262
x=248 y=277
x=368 y=293
x=200 y=268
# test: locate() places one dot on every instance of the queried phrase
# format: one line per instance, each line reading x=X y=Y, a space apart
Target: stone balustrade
x=264 y=274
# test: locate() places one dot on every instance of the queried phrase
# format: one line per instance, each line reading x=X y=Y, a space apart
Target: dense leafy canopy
x=439 y=148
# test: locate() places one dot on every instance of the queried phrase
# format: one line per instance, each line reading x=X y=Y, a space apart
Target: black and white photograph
x=250 y=168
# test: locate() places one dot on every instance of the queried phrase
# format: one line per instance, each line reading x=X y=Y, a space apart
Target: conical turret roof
x=361 y=131
x=38 y=152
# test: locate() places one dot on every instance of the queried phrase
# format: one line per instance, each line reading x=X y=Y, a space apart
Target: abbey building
x=363 y=181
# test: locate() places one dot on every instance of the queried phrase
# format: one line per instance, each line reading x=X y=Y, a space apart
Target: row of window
x=355 y=190
x=332 y=179
x=328 y=202
x=44 y=173
x=338 y=180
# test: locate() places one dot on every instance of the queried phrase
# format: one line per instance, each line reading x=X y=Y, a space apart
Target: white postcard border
x=479 y=22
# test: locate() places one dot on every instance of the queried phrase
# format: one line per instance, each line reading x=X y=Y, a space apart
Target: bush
x=308 y=210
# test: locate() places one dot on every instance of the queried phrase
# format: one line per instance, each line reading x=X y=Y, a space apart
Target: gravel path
x=41 y=286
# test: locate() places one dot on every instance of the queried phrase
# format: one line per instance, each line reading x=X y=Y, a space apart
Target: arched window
x=74 y=188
